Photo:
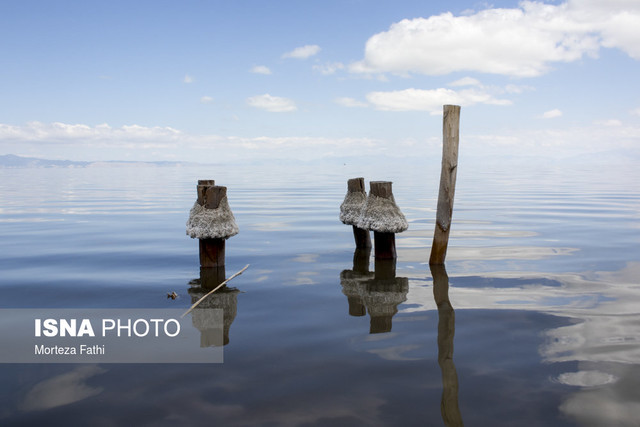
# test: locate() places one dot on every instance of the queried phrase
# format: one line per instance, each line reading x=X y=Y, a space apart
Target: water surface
x=534 y=322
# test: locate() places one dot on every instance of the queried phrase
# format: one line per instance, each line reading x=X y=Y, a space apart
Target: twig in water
x=215 y=289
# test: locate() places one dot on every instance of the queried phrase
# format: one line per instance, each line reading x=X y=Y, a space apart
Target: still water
x=535 y=321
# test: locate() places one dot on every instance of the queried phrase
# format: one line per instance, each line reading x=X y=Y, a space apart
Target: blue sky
x=232 y=81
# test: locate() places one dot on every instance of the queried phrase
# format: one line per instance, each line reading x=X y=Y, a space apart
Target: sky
x=289 y=80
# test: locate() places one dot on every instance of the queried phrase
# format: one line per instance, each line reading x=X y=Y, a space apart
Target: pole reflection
x=446 y=330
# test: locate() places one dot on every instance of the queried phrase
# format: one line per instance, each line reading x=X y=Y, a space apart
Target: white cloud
x=512 y=88
x=274 y=104
x=466 y=81
x=135 y=142
x=522 y=41
x=609 y=123
x=551 y=114
x=559 y=143
x=635 y=112
x=64 y=133
x=206 y=100
x=261 y=69
x=303 y=52
x=430 y=100
x=350 y=102
x=188 y=79
x=329 y=68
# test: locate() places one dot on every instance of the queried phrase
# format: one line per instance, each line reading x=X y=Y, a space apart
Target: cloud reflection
x=62 y=390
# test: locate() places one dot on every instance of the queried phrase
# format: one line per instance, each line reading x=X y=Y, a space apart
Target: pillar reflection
x=224 y=298
x=378 y=293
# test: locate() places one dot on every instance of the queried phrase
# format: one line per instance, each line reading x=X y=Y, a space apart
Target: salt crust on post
x=351 y=207
x=216 y=223
x=382 y=215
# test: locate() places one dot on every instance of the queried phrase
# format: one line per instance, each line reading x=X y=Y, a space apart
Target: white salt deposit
x=351 y=207
x=382 y=215
x=216 y=223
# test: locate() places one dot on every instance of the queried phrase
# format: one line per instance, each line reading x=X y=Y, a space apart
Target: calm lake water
x=538 y=322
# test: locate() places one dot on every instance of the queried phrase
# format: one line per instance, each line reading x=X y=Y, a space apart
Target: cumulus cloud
x=274 y=104
x=551 y=114
x=303 y=52
x=430 y=100
x=635 y=112
x=350 y=102
x=522 y=41
x=206 y=99
x=261 y=69
x=188 y=79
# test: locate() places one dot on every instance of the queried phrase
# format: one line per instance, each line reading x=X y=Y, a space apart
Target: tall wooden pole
x=448 y=173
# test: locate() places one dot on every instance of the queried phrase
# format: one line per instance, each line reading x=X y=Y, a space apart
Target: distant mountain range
x=13 y=161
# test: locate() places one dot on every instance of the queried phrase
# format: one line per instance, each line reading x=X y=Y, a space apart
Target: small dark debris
x=172 y=295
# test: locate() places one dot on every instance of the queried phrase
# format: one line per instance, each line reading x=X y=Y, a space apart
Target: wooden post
x=361 y=237
x=384 y=243
x=203 y=184
x=211 y=277
x=211 y=250
x=448 y=173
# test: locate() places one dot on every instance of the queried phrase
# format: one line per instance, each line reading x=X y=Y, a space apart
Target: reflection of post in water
x=351 y=281
x=378 y=293
x=446 y=331
x=224 y=298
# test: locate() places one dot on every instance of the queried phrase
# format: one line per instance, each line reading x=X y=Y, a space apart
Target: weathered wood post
x=448 y=173
x=351 y=208
x=212 y=222
x=383 y=216
x=446 y=331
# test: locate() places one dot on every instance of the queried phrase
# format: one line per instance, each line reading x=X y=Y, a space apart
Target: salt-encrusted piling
x=351 y=208
x=383 y=216
x=448 y=173
x=212 y=222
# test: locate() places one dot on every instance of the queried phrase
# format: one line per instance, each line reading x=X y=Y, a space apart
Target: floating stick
x=215 y=289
